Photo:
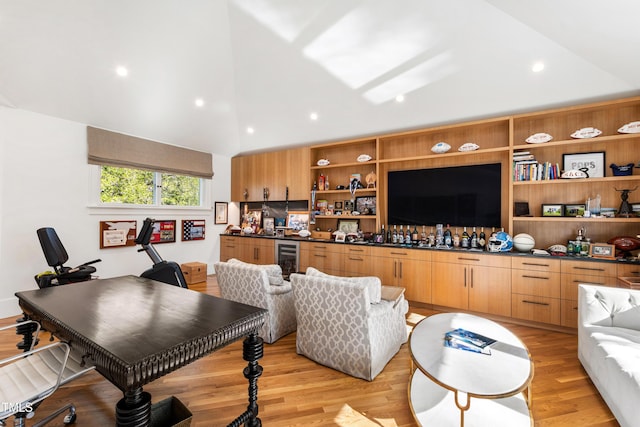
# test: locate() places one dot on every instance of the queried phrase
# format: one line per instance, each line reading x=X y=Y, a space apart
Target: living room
x=45 y=105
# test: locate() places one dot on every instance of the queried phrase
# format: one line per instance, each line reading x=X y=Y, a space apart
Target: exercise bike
x=162 y=271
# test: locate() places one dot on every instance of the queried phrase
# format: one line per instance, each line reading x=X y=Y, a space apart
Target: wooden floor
x=295 y=391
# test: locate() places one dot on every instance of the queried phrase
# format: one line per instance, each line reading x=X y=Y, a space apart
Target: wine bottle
x=423 y=236
x=466 y=239
x=407 y=237
x=432 y=238
x=382 y=234
x=456 y=239
x=401 y=235
x=482 y=240
x=414 y=235
x=448 y=240
x=394 y=236
x=388 y=239
x=474 y=239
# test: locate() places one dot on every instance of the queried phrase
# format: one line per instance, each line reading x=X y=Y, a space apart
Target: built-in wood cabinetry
x=326 y=257
x=275 y=170
x=472 y=281
x=255 y=251
x=403 y=267
x=535 y=287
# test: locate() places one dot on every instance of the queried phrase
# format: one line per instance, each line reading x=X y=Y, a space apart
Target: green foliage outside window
x=136 y=187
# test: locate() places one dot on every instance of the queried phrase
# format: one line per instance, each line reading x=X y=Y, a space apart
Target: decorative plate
x=633 y=127
x=323 y=162
x=364 y=158
x=539 y=138
x=441 y=147
x=469 y=146
x=586 y=133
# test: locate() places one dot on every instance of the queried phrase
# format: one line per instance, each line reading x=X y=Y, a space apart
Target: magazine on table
x=469 y=341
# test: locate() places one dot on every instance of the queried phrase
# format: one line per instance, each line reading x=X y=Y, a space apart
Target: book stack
x=527 y=168
x=469 y=341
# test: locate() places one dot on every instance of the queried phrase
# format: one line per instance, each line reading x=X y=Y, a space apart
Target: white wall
x=44 y=182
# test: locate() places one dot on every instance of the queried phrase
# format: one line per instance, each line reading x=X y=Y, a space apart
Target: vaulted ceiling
x=269 y=64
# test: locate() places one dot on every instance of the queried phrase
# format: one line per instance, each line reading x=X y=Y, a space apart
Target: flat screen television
x=459 y=195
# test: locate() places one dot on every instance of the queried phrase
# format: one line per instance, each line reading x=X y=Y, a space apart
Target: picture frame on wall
x=221 y=212
x=193 y=229
x=593 y=164
x=164 y=231
x=555 y=210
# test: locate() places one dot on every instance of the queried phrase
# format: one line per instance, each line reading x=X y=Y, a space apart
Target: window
x=125 y=186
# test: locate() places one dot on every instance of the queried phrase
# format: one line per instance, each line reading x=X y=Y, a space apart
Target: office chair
x=30 y=377
x=56 y=256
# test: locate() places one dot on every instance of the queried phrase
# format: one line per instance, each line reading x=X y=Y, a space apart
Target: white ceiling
x=269 y=63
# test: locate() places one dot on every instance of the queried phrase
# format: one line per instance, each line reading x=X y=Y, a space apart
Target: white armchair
x=260 y=286
x=345 y=325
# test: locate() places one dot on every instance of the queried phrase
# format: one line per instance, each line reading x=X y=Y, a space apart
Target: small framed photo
x=552 y=210
x=338 y=206
x=222 y=217
x=574 y=210
x=635 y=209
x=366 y=205
x=348 y=206
x=602 y=250
x=348 y=225
x=340 y=237
x=590 y=163
x=298 y=221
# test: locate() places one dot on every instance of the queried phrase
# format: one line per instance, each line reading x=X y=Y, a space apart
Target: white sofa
x=609 y=347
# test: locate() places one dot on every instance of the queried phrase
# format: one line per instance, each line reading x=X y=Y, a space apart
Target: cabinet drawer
x=589 y=268
x=537 y=283
x=357 y=265
x=628 y=270
x=535 y=264
x=357 y=250
x=570 y=283
x=322 y=247
x=569 y=313
x=401 y=253
x=535 y=308
x=472 y=258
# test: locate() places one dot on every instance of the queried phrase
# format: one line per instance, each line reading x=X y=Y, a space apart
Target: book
x=467 y=340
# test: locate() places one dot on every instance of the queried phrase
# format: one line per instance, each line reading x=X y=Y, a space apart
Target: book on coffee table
x=468 y=340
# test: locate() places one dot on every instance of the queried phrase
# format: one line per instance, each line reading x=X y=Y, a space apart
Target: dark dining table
x=135 y=330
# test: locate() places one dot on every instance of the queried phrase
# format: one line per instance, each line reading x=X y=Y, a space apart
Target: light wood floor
x=294 y=391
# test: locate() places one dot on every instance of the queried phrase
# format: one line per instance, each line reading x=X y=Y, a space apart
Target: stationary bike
x=162 y=271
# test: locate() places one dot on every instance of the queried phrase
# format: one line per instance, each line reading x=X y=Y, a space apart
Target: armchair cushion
x=373 y=284
x=274 y=271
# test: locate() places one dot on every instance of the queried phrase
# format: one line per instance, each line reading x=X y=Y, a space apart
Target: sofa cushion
x=372 y=283
x=612 y=307
x=274 y=271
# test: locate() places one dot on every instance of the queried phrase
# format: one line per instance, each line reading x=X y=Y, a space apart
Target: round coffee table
x=447 y=378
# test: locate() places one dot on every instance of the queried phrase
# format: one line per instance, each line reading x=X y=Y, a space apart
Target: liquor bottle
x=439 y=240
x=326 y=183
x=482 y=240
x=388 y=239
x=321 y=182
x=407 y=237
x=448 y=240
x=414 y=235
x=456 y=239
x=474 y=239
x=401 y=235
x=383 y=235
x=394 y=236
x=465 y=243
x=423 y=237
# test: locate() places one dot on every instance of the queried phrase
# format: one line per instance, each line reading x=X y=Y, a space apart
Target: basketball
x=523 y=242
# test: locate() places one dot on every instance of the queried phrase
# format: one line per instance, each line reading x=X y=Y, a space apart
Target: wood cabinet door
x=415 y=276
x=490 y=290
x=386 y=268
x=449 y=285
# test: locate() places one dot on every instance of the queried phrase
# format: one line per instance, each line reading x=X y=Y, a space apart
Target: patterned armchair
x=260 y=286
x=345 y=325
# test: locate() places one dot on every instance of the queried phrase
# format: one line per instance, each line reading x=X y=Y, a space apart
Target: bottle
x=439 y=236
x=466 y=239
x=383 y=235
x=448 y=241
x=388 y=239
x=432 y=238
x=474 y=239
x=407 y=237
x=456 y=239
x=423 y=236
x=482 y=240
x=414 y=235
x=326 y=183
x=401 y=235
x=321 y=182
x=394 y=236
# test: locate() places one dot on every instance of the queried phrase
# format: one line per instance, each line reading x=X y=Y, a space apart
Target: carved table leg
x=252 y=350
x=134 y=409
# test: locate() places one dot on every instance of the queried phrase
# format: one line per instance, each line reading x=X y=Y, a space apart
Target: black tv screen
x=459 y=196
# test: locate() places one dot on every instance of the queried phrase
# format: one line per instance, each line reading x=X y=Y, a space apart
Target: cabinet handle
x=535 y=264
x=535 y=277
x=256 y=253
x=472 y=277
x=465 y=277
x=319 y=256
x=320 y=247
x=591 y=283
x=589 y=269
x=355 y=250
x=355 y=259
x=398 y=253
x=534 y=302
x=395 y=268
x=400 y=262
x=468 y=259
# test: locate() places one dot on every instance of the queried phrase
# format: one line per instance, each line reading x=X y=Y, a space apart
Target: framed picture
x=574 y=210
x=164 y=231
x=337 y=205
x=298 y=220
x=635 y=209
x=552 y=210
x=340 y=237
x=193 y=229
x=117 y=233
x=222 y=217
x=348 y=206
x=348 y=225
x=590 y=163
x=602 y=250
x=366 y=205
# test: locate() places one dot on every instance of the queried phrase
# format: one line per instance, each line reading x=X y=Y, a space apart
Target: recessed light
x=313 y=116
x=537 y=67
x=400 y=98
x=250 y=130
x=122 y=71
x=199 y=102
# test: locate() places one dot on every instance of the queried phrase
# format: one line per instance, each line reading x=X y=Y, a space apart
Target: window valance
x=117 y=149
